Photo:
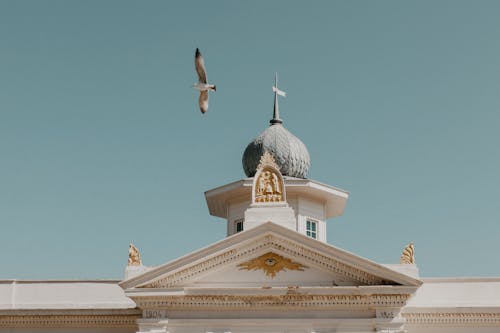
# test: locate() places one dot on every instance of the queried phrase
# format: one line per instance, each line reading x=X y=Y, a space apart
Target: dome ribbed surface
x=288 y=151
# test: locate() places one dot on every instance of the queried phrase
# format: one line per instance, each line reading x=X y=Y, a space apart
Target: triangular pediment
x=269 y=255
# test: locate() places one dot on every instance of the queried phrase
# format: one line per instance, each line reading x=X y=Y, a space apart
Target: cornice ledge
x=256 y=302
x=70 y=321
x=272 y=291
x=72 y=311
x=450 y=318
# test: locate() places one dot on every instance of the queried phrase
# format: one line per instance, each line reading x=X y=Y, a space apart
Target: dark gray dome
x=288 y=151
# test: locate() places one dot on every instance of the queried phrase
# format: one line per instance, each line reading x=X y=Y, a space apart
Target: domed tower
x=277 y=189
x=288 y=151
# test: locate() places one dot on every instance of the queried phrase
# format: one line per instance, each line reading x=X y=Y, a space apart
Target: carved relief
x=134 y=257
x=296 y=250
x=69 y=321
x=267 y=160
x=447 y=318
x=292 y=249
x=408 y=255
x=289 y=301
x=192 y=271
x=268 y=183
x=268 y=187
x=271 y=263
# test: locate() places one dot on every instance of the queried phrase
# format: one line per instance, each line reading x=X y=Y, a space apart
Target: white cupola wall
x=309 y=204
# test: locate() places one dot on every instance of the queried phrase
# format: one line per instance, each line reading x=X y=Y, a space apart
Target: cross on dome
x=276 y=113
x=288 y=151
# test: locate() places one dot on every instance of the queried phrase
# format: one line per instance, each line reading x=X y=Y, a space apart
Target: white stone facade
x=276 y=274
x=66 y=306
x=438 y=305
x=306 y=200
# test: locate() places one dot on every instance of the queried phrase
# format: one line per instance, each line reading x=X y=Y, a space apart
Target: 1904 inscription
x=386 y=314
x=154 y=314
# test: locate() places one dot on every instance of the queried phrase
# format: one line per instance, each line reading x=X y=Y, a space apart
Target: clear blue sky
x=102 y=143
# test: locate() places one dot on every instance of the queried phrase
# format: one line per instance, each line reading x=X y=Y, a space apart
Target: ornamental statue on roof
x=268 y=181
x=408 y=255
x=134 y=257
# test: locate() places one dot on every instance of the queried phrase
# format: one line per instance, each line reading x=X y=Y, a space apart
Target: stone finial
x=408 y=255
x=134 y=257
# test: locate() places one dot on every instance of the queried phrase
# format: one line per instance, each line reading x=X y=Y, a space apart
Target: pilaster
x=153 y=321
x=152 y=326
x=389 y=320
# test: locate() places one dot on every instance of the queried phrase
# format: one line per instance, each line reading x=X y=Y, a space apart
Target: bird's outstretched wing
x=200 y=67
x=203 y=101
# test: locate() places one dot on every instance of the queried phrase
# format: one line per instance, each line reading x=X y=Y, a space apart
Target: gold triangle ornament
x=271 y=263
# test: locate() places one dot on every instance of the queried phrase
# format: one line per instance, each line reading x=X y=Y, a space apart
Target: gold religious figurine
x=269 y=183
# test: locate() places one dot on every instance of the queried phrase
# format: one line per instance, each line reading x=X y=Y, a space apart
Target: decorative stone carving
x=408 y=255
x=290 y=248
x=271 y=263
x=267 y=160
x=297 y=250
x=289 y=301
x=268 y=182
x=192 y=271
x=447 y=318
x=69 y=321
x=134 y=257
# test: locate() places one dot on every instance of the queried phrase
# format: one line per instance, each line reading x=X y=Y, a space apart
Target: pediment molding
x=348 y=273
x=193 y=271
x=345 y=267
x=328 y=263
x=274 y=243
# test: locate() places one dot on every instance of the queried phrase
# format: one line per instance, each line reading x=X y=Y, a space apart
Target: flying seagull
x=202 y=84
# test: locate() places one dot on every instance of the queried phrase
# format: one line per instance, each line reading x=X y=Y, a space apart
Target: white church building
x=273 y=273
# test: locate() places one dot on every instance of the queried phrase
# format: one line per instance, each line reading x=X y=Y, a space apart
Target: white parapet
x=131 y=271
x=407 y=269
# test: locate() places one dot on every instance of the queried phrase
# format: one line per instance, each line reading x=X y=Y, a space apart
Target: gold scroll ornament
x=408 y=255
x=134 y=257
x=271 y=263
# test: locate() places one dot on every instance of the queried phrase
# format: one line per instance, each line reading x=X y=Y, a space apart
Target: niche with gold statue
x=268 y=183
